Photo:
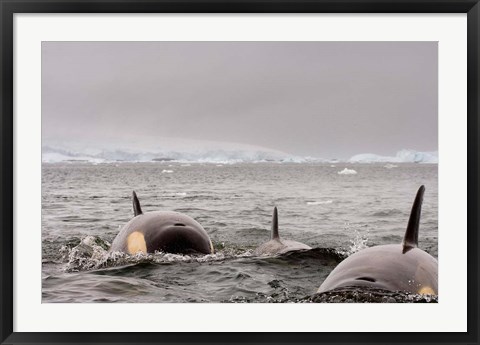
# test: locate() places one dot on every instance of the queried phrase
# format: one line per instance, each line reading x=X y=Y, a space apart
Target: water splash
x=93 y=253
x=357 y=243
x=86 y=255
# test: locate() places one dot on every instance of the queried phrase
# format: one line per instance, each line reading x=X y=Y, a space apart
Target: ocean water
x=84 y=206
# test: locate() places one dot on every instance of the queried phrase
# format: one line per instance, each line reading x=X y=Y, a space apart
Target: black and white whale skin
x=169 y=232
x=394 y=267
x=277 y=245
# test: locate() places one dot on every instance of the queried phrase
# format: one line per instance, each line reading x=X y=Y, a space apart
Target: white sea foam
x=165 y=171
x=93 y=253
x=324 y=202
x=347 y=171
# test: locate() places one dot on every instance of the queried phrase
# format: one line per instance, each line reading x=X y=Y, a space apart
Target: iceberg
x=402 y=156
x=347 y=171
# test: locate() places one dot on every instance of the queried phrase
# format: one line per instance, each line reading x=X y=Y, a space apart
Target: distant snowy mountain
x=199 y=152
x=403 y=156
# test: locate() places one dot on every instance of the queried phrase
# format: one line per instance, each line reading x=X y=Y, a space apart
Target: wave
x=324 y=202
x=341 y=295
x=386 y=213
x=369 y=295
x=92 y=253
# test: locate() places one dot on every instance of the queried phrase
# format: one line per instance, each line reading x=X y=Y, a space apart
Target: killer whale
x=394 y=267
x=166 y=231
x=277 y=245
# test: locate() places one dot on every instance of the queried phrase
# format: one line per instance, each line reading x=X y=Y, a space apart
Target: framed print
x=239 y=172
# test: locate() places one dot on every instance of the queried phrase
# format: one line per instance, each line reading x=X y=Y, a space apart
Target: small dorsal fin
x=411 y=235
x=275 y=224
x=136 y=205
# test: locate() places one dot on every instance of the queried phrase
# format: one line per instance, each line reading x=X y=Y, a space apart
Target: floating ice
x=165 y=171
x=347 y=171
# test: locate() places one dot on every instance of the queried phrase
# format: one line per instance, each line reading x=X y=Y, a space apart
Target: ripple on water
x=234 y=205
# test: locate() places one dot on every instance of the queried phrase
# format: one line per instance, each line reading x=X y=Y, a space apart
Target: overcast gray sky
x=323 y=99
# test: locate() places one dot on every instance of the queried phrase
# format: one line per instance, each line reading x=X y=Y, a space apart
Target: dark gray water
x=84 y=205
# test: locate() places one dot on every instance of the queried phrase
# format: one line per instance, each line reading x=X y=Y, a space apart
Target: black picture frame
x=10 y=7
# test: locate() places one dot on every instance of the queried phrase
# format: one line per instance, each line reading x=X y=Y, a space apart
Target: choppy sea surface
x=84 y=206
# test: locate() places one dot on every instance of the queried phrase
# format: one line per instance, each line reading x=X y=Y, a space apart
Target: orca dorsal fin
x=136 y=205
x=411 y=235
x=275 y=224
